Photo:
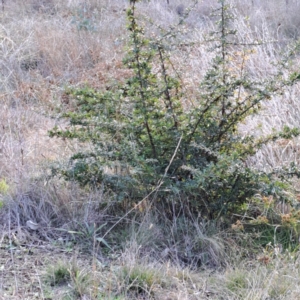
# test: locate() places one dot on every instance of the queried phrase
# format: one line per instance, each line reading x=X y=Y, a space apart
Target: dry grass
x=46 y=46
x=30 y=273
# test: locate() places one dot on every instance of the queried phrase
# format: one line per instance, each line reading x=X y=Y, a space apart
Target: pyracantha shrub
x=145 y=142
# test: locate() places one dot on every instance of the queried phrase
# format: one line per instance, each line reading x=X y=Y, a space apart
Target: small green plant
x=80 y=280
x=4 y=187
x=146 y=142
x=237 y=281
x=58 y=275
x=89 y=233
x=141 y=280
x=69 y=274
x=84 y=20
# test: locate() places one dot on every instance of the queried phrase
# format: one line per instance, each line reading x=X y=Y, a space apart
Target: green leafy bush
x=145 y=142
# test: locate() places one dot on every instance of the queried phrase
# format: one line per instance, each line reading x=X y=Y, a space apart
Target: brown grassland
x=60 y=241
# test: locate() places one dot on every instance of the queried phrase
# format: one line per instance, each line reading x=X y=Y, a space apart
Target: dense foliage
x=147 y=141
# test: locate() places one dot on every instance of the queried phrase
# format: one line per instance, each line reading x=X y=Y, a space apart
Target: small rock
x=32 y=225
